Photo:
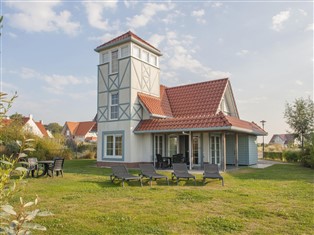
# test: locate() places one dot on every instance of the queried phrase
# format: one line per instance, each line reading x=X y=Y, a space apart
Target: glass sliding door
x=159 y=144
x=196 y=150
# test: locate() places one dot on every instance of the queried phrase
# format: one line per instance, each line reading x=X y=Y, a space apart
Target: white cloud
x=303 y=12
x=172 y=17
x=242 y=53
x=198 y=13
x=41 y=17
x=130 y=3
x=279 y=19
x=298 y=82
x=156 y=39
x=180 y=57
x=310 y=27
x=12 y=35
x=95 y=12
x=217 y=4
x=54 y=83
x=147 y=13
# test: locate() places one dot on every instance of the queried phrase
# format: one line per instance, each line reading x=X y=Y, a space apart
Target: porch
x=227 y=149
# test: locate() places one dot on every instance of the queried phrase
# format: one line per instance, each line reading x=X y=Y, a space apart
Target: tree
x=55 y=128
x=300 y=117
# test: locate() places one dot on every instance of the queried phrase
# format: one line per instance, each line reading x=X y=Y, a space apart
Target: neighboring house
x=80 y=131
x=139 y=118
x=30 y=125
x=284 y=139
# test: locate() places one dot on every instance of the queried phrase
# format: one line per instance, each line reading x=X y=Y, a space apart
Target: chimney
x=31 y=116
x=41 y=122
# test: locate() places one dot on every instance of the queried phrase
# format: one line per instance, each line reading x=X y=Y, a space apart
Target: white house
x=139 y=118
x=80 y=131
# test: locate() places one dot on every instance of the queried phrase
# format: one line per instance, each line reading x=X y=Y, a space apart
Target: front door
x=215 y=149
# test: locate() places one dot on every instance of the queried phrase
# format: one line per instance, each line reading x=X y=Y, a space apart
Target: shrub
x=308 y=161
x=273 y=155
x=291 y=155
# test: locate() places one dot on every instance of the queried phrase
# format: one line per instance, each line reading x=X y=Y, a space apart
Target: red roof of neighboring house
x=81 y=128
x=191 y=107
x=42 y=129
x=122 y=37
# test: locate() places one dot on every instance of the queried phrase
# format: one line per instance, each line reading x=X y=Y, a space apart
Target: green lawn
x=275 y=200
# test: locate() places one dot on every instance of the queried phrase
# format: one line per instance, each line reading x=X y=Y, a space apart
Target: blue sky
x=265 y=48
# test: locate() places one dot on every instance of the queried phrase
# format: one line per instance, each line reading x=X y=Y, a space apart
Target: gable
x=227 y=104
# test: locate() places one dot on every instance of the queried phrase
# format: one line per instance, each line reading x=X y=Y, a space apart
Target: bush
x=273 y=155
x=308 y=161
x=291 y=155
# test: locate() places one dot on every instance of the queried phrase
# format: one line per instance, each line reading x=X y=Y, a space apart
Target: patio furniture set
x=180 y=171
x=45 y=167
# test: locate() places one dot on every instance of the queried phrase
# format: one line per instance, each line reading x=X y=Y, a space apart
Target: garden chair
x=162 y=162
x=32 y=166
x=148 y=171
x=57 y=167
x=180 y=170
x=211 y=171
x=121 y=172
x=178 y=158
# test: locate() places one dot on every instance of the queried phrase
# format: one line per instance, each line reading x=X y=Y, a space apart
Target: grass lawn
x=275 y=200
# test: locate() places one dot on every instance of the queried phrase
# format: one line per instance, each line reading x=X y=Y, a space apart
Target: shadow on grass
x=279 y=172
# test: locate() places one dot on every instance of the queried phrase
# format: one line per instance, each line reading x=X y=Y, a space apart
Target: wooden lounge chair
x=180 y=170
x=121 y=172
x=211 y=171
x=148 y=171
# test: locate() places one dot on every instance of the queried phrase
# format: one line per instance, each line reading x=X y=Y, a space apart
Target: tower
x=127 y=65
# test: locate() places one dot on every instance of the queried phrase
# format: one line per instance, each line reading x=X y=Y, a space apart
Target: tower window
x=145 y=56
x=114 y=61
x=114 y=106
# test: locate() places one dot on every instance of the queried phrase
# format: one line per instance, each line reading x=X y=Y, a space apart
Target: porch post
x=224 y=151
x=190 y=149
x=154 y=147
x=236 y=151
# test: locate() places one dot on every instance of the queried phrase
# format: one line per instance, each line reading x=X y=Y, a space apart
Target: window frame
x=114 y=67
x=116 y=135
x=114 y=105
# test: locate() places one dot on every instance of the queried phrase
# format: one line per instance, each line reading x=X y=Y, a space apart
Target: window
x=136 y=51
x=215 y=149
x=113 y=145
x=114 y=61
x=153 y=60
x=145 y=56
x=159 y=144
x=173 y=145
x=114 y=106
x=124 y=51
x=105 y=57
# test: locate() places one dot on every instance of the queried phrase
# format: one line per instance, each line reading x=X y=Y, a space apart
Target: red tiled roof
x=213 y=122
x=122 y=37
x=155 y=105
x=42 y=129
x=196 y=99
x=72 y=126
x=84 y=127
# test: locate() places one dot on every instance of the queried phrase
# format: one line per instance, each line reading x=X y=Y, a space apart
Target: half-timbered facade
x=138 y=118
